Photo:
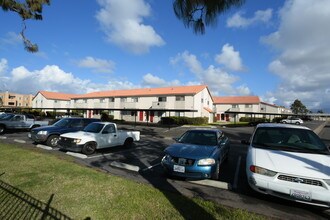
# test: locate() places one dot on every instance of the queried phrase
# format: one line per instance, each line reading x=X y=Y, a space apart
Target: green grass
x=81 y=192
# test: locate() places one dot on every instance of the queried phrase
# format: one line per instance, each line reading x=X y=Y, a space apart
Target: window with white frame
x=124 y=99
x=162 y=99
x=248 y=106
x=179 y=98
x=111 y=99
x=234 y=106
x=135 y=99
x=102 y=100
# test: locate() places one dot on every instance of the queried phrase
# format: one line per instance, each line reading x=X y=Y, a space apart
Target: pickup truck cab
x=97 y=135
x=50 y=134
x=19 y=121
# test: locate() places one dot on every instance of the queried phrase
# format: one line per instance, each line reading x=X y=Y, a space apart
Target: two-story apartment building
x=9 y=99
x=246 y=104
x=51 y=100
x=148 y=104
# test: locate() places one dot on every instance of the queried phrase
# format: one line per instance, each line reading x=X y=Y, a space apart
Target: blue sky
x=278 y=50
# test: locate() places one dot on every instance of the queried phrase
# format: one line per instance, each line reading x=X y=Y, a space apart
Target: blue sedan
x=198 y=154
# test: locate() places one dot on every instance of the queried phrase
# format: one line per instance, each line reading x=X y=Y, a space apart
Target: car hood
x=190 y=150
x=302 y=164
x=78 y=134
x=48 y=128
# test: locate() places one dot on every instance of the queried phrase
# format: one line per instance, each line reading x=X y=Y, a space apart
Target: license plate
x=301 y=195
x=180 y=169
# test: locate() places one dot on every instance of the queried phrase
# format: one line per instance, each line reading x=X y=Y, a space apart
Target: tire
x=52 y=140
x=297 y=123
x=2 y=129
x=128 y=143
x=215 y=175
x=89 y=148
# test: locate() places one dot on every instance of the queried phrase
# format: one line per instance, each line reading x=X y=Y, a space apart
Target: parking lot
x=142 y=163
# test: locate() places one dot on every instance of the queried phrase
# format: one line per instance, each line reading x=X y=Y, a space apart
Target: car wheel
x=297 y=123
x=215 y=175
x=128 y=143
x=52 y=140
x=2 y=129
x=89 y=148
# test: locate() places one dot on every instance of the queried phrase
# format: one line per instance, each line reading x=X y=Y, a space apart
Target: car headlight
x=262 y=171
x=42 y=132
x=76 y=141
x=206 y=162
x=327 y=182
x=167 y=158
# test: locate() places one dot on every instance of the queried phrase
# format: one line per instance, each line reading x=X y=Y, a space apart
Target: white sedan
x=290 y=162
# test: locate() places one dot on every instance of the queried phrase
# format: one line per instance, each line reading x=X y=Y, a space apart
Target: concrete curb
x=320 y=128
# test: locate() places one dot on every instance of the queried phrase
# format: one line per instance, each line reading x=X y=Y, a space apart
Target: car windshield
x=289 y=139
x=93 y=127
x=198 y=137
x=62 y=123
x=6 y=116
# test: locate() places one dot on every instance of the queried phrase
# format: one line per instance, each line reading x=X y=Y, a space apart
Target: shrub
x=106 y=117
x=174 y=120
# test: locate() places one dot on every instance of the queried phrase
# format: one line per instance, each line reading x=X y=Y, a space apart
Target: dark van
x=50 y=134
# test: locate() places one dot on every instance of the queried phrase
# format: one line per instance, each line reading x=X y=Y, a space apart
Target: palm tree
x=198 y=13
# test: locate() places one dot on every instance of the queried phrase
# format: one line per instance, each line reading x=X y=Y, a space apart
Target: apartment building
x=148 y=104
x=9 y=99
x=251 y=105
x=51 y=100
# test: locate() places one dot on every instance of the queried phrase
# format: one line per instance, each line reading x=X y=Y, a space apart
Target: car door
x=223 y=145
x=108 y=137
x=16 y=122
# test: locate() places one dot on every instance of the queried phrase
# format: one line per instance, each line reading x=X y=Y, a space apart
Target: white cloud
x=122 y=23
x=219 y=81
x=11 y=38
x=155 y=81
x=302 y=41
x=237 y=21
x=3 y=66
x=98 y=65
x=229 y=58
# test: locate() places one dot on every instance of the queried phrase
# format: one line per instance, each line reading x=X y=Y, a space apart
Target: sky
x=277 y=50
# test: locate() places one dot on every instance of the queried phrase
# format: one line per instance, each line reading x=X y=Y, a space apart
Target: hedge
x=175 y=120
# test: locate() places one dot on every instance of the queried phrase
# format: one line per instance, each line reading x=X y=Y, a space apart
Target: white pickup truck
x=97 y=135
x=19 y=121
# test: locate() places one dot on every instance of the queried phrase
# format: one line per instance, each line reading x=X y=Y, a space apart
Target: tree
x=298 y=107
x=198 y=13
x=30 y=9
x=1 y=102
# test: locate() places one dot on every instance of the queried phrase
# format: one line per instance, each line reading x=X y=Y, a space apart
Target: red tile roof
x=178 y=90
x=237 y=100
x=56 y=95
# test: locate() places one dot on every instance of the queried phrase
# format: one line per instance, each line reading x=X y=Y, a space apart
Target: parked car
x=290 y=162
x=50 y=134
x=97 y=135
x=19 y=121
x=198 y=153
x=292 y=120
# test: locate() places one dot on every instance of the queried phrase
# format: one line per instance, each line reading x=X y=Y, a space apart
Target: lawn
x=80 y=192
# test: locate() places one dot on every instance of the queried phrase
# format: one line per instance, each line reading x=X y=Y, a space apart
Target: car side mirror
x=245 y=142
x=176 y=139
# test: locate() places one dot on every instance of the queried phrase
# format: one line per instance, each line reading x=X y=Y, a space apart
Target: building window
x=135 y=99
x=123 y=99
x=85 y=100
x=55 y=101
x=179 y=114
x=160 y=113
x=161 y=99
x=111 y=99
x=248 y=106
x=11 y=103
x=234 y=106
x=179 y=98
x=102 y=100
x=208 y=102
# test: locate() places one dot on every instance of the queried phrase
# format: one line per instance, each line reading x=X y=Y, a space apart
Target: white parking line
x=213 y=183
x=1 y=137
x=20 y=141
x=102 y=155
x=150 y=167
x=237 y=172
x=82 y=156
x=44 y=147
x=125 y=166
